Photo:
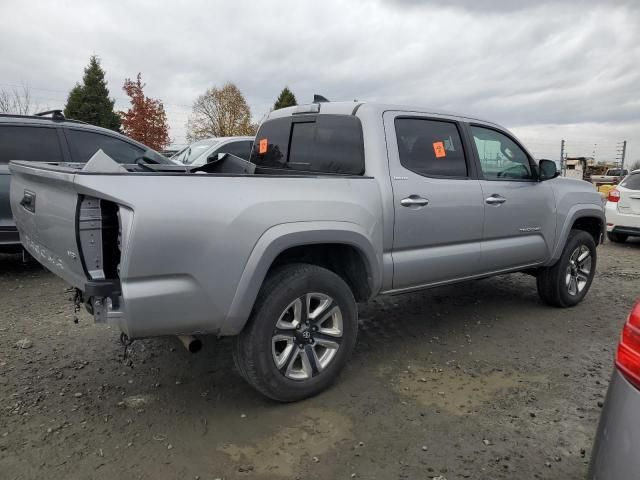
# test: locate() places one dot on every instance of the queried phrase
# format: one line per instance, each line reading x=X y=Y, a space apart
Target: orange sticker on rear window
x=264 y=143
x=438 y=148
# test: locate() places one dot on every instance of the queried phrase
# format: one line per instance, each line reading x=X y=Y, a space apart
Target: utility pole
x=621 y=152
x=563 y=160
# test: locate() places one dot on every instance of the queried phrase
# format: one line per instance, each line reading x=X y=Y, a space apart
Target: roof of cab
x=351 y=108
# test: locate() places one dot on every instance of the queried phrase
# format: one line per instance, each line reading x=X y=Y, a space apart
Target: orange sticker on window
x=438 y=148
x=264 y=143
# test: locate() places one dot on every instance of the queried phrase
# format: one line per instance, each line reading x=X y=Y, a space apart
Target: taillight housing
x=614 y=195
x=628 y=354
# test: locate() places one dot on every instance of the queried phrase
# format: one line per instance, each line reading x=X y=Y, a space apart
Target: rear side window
x=85 y=144
x=632 y=182
x=239 y=149
x=319 y=144
x=430 y=147
x=36 y=144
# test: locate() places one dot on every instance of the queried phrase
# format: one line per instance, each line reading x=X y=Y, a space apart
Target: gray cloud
x=506 y=6
x=523 y=64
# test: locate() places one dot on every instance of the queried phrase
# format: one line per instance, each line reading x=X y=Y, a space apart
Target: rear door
x=519 y=211
x=437 y=201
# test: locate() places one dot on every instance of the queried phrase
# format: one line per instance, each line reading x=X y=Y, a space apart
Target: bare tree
x=220 y=112
x=17 y=100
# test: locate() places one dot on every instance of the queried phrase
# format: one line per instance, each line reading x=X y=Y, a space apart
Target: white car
x=623 y=209
x=198 y=153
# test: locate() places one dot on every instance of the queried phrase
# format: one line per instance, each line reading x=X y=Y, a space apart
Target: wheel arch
x=589 y=218
x=341 y=247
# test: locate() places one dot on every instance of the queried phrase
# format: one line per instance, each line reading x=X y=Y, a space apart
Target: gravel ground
x=477 y=380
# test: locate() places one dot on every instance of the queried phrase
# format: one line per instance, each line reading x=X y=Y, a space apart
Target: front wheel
x=300 y=335
x=567 y=282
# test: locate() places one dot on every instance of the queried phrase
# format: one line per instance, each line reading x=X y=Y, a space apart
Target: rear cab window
x=329 y=144
x=34 y=144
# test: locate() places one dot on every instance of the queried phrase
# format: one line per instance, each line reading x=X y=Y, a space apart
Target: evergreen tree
x=90 y=101
x=74 y=101
x=286 y=99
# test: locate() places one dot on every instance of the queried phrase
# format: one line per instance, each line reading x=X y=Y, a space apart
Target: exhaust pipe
x=190 y=342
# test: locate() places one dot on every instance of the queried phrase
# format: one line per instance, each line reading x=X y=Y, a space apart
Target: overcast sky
x=546 y=70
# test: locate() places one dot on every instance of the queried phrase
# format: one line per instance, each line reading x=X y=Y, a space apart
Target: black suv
x=50 y=137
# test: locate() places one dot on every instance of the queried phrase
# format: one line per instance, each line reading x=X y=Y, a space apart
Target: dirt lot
x=478 y=380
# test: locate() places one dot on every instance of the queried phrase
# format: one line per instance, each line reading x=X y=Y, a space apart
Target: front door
x=438 y=203
x=519 y=211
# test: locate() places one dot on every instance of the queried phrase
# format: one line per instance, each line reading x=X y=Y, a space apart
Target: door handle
x=495 y=199
x=28 y=201
x=414 y=201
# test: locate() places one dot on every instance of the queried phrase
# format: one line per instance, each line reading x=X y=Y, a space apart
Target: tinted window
x=500 y=157
x=272 y=143
x=29 y=143
x=632 y=182
x=430 y=147
x=239 y=149
x=84 y=144
x=322 y=143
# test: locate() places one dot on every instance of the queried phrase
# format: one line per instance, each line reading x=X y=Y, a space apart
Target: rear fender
x=281 y=237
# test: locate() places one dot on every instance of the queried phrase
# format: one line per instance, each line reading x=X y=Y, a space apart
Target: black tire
x=617 y=237
x=552 y=283
x=255 y=354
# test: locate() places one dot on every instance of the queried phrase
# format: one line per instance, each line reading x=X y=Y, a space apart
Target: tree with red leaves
x=146 y=120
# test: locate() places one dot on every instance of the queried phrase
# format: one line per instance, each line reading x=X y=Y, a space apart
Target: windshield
x=189 y=154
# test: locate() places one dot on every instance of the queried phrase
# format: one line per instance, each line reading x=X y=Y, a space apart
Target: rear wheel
x=567 y=282
x=300 y=335
x=617 y=237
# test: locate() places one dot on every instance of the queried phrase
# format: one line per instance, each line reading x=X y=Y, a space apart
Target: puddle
x=457 y=392
x=316 y=432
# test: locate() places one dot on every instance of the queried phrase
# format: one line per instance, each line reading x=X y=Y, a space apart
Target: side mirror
x=547 y=169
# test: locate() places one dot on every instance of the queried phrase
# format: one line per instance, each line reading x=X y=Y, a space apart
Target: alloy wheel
x=578 y=270
x=307 y=336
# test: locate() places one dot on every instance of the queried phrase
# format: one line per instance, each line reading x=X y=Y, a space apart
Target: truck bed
x=164 y=252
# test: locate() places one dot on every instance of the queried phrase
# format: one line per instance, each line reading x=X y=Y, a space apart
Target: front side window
x=84 y=145
x=430 y=147
x=34 y=144
x=500 y=157
x=240 y=149
x=318 y=143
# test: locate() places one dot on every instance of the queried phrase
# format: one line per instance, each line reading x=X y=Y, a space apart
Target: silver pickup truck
x=343 y=201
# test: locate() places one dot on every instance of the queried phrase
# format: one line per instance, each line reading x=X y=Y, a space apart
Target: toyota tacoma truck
x=341 y=202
